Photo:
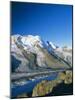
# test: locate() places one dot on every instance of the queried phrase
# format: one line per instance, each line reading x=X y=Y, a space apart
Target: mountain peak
x=51 y=45
x=28 y=42
x=31 y=40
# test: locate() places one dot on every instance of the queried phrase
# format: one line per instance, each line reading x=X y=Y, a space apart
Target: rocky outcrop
x=45 y=87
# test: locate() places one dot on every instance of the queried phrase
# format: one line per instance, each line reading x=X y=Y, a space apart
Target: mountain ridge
x=33 y=53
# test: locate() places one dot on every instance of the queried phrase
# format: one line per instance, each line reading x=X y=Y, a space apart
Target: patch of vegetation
x=46 y=87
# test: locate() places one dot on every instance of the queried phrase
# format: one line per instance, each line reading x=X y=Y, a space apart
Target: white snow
x=31 y=41
x=52 y=45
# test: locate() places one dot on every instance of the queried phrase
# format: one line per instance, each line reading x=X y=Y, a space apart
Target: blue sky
x=52 y=22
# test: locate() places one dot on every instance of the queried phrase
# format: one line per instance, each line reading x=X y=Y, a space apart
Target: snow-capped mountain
x=65 y=53
x=34 y=54
x=28 y=42
x=51 y=45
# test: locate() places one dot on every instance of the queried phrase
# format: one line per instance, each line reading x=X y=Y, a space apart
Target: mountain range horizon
x=53 y=43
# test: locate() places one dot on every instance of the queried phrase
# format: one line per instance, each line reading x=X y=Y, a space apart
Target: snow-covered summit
x=31 y=40
x=29 y=43
x=28 y=39
x=51 y=46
